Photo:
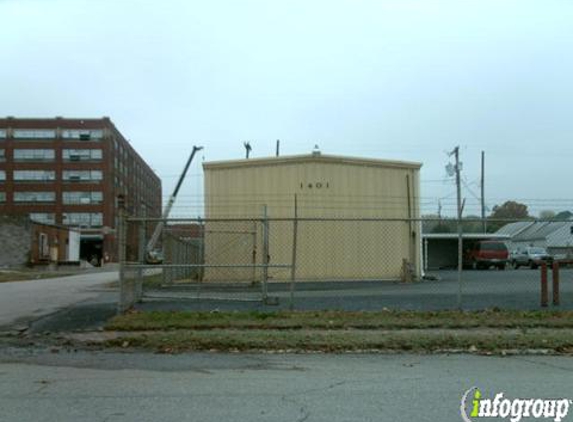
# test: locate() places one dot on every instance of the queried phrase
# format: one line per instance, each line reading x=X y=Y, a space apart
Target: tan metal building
x=381 y=196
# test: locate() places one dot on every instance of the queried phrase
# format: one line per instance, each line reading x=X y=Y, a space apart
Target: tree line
x=501 y=215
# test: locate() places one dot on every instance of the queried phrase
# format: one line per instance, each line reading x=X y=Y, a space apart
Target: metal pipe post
x=294 y=247
x=556 y=298
x=254 y=254
x=141 y=254
x=544 y=289
x=121 y=243
x=266 y=257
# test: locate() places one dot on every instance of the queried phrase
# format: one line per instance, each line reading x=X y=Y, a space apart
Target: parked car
x=487 y=253
x=530 y=256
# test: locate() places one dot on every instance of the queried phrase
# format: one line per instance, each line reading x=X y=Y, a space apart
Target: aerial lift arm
x=167 y=211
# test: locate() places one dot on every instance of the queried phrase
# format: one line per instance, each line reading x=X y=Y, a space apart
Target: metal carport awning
x=441 y=249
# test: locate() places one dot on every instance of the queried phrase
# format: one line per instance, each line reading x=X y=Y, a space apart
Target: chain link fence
x=352 y=264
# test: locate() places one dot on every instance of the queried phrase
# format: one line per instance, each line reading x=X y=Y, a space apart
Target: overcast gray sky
x=405 y=80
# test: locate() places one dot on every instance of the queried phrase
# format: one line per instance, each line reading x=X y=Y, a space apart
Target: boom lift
x=152 y=255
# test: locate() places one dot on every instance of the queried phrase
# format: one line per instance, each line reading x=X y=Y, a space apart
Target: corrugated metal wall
x=326 y=187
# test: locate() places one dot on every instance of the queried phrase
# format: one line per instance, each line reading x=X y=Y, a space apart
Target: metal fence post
x=141 y=254
x=167 y=252
x=177 y=255
x=254 y=257
x=200 y=250
x=185 y=261
x=191 y=253
x=544 y=289
x=556 y=298
x=200 y=257
x=425 y=249
x=266 y=257
x=294 y=247
x=121 y=240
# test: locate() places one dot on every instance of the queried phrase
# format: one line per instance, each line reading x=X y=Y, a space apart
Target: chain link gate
x=216 y=260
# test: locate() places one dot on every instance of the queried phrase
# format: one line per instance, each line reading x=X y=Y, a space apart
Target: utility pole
x=278 y=147
x=456 y=154
x=484 y=221
x=248 y=149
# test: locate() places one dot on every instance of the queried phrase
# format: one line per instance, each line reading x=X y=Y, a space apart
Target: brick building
x=70 y=172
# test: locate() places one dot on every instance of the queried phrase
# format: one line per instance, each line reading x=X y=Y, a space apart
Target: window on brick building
x=34 y=155
x=34 y=175
x=34 y=196
x=43 y=217
x=82 y=154
x=79 y=198
x=82 y=135
x=34 y=134
x=82 y=175
x=83 y=219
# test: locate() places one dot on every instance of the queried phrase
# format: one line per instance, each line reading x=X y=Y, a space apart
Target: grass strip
x=339 y=320
x=9 y=276
x=550 y=341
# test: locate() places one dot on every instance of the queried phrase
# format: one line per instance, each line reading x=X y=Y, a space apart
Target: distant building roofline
x=10 y=120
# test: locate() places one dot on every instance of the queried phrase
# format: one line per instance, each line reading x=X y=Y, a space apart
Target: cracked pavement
x=42 y=385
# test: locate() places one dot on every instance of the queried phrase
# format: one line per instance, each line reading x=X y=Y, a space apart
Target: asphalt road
x=25 y=301
x=48 y=387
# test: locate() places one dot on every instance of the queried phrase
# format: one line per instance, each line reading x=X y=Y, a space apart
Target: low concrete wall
x=15 y=233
